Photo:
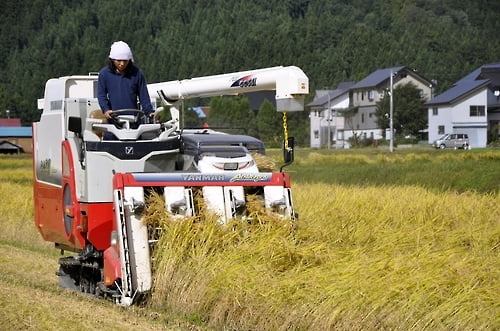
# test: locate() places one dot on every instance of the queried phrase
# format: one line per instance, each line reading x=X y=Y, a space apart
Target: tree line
x=332 y=41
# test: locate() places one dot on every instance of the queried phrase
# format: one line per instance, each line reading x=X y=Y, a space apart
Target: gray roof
x=491 y=72
x=457 y=91
x=16 y=131
x=373 y=80
x=331 y=94
x=485 y=75
x=377 y=77
x=7 y=146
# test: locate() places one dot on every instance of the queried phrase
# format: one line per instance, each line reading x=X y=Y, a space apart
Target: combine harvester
x=90 y=194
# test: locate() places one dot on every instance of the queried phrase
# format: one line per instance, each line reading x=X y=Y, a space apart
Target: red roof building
x=10 y=122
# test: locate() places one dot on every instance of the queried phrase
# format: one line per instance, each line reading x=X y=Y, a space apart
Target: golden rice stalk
x=264 y=163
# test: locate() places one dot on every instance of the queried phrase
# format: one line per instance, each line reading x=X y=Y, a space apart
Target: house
x=326 y=123
x=15 y=136
x=6 y=147
x=354 y=105
x=364 y=96
x=470 y=106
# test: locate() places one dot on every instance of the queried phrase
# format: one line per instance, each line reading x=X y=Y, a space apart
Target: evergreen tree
x=232 y=113
x=191 y=119
x=298 y=127
x=269 y=124
x=220 y=110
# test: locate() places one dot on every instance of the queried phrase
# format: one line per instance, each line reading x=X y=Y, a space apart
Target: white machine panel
x=214 y=198
x=179 y=201
x=138 y=245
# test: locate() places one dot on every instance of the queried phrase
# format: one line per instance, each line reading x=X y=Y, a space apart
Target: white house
x=326 y=122
x=352 y=106
x=471 y=106
x=365 y=95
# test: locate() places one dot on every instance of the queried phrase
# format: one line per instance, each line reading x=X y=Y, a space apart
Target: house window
x=434 y=111
x=441 y=129
x=371 y=95
x=362 y=118
x=476 y=111
x=316 y=134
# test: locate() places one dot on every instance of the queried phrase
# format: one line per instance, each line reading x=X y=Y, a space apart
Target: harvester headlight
x=231 y=166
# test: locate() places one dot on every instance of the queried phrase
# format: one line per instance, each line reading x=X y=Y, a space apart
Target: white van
x=452 y=140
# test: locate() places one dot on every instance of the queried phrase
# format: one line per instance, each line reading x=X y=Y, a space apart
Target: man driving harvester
x=121 y=85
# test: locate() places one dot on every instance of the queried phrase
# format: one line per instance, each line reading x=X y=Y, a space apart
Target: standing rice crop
x=358 y=258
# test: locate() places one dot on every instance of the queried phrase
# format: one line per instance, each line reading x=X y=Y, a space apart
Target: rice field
x=358 y=258
x=365 y=254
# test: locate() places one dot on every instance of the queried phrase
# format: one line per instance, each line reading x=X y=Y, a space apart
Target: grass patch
x=475 y=170
x=32 y=300
x=21 y=161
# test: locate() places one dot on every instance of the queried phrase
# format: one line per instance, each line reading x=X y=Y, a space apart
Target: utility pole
x=336 y=124
x=329 y=120
x=391 y=121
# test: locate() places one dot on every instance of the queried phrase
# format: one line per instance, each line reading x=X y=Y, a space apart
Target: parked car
x=452 y=140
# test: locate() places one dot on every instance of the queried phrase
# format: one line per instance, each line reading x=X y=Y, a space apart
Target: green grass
x=475 y=170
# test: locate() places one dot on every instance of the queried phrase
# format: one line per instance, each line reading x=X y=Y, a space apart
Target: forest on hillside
x=332 y=41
